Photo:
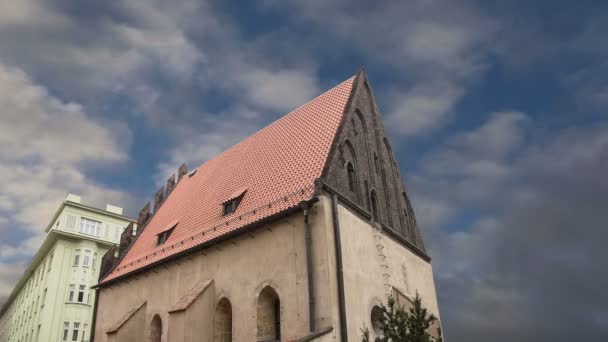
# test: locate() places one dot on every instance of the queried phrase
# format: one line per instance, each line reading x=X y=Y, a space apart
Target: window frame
x=72 y=289
x=76 y=331
x=86 y=258
x=76 y=262
x=80 y=298
x=231 y=206
x=89 y=226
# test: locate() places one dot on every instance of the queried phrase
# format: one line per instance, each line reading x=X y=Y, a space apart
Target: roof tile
x=277 y=166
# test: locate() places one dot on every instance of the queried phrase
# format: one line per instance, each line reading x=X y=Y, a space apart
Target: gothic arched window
x=374 y=206
x=269 y=315
x=156 y=329
x=222 y=322
x=376 y=163
x=352 y=178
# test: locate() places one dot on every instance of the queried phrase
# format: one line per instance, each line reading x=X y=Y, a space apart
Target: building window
x=85 y=259
x=162 y=237
x=81 y=294
x=376 y=318
x=50 y=261
x=352 y=180
x=89 y=227
x=77 y=257
x=116 y=234
x=230 y=206
x=71 y=294
x=107 y=231
x=376 y=163
x=84 y=332
x=75 y=331
x=42 y=270
x=43 y=298
x=269 y=315
x=94 y=260
x=222 y=321
x=374 y=206
x=156 y=329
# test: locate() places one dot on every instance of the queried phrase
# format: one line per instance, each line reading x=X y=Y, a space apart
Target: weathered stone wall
x=362 y=142
x=271 y=256
x=240 y=268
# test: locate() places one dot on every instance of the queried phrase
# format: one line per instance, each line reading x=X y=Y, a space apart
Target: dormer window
x=233 y=201
x=164 y=235
x=230 y=206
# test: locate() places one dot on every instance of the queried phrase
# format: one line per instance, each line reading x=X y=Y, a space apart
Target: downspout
x=309 y=267
x=94 y=319
x=339 y=267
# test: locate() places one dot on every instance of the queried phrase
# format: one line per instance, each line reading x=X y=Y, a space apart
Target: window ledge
x=83 y=304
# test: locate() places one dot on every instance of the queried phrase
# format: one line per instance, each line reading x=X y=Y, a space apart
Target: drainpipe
x=94 y=319
x=338 y=247
x=309 y=266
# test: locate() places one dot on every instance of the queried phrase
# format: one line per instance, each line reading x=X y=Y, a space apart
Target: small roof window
x=230 y=206
x=233 y=201
x=164 y=235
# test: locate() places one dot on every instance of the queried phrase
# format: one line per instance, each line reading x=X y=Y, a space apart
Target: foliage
x=398 y=325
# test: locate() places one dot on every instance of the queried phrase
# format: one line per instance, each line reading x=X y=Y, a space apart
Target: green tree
x=397 y=325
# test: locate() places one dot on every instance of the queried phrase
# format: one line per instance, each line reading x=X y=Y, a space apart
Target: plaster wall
x=240 y=268
x=374 y=263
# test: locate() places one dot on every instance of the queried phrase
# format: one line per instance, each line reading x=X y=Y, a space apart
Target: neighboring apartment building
x=297 y=233
x=53 y=300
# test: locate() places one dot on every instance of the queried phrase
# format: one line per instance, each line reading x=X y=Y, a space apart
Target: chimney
x=158 y=198
x=183 y=169
x=170 y=184
x=72 y=198
x=114 y=209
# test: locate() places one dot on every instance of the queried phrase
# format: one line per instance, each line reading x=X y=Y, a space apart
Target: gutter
x=243 y=230
x=94 y=319
x=340 y=268
x=309 y=267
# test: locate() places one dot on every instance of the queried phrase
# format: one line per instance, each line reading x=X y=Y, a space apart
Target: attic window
x=164 y=235
x=232 y=202
x=230 y=206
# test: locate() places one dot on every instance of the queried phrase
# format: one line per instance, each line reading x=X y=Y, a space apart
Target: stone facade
x=263 y=283
x=269 y=259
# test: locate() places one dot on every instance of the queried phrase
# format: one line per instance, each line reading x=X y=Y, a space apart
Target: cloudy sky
x=498 y=115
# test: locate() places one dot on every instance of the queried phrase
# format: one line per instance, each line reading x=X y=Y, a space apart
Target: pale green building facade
x=53 y=300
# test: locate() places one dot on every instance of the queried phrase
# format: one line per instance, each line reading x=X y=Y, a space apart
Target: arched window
x=269 y=315
x=376 y=318
x=374 y=206
x=408 y=211
x=156 y=329
x=222 y=322
x=376 y=163
x=352 y=178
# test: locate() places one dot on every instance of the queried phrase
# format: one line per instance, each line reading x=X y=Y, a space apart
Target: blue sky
x=496 y=110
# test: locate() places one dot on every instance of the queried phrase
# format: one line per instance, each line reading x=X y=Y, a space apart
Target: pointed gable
x=273 y=170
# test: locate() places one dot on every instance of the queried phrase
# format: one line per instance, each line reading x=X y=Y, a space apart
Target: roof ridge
x=278 y=165
x=274 y=122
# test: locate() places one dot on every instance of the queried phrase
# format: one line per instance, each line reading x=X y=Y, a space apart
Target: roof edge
x=347 y=108
x=243 y=230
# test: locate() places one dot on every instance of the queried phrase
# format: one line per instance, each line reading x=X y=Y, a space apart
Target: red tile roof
x=275 y=167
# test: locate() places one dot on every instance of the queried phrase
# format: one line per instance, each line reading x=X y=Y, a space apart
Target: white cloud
x=437 y=49
x=45 y=144
x=9 y=274
x=423 y=107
